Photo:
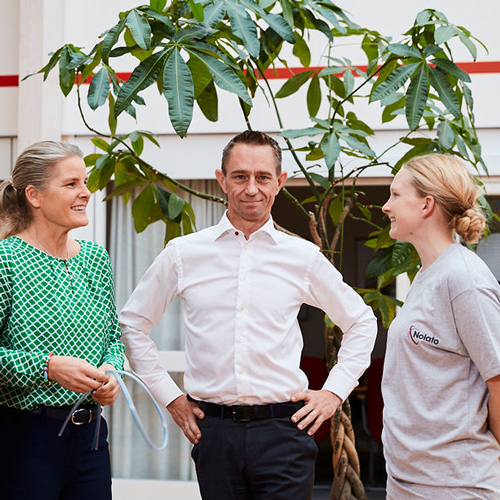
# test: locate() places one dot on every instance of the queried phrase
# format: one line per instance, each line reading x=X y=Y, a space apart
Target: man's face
x=251 y=184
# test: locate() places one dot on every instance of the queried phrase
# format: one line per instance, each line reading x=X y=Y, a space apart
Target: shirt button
x=241 y=339
x=240 y=369
x=236 y=233
x=241 y=308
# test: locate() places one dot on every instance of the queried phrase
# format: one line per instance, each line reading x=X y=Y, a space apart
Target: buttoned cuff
x=165 y=391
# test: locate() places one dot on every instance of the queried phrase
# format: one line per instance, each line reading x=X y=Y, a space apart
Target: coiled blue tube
x=133 y=411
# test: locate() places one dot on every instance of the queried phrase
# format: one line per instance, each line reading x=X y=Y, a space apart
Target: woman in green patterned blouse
x=59 y=332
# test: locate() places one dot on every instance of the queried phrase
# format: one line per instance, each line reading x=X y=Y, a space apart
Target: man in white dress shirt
x=248 y=410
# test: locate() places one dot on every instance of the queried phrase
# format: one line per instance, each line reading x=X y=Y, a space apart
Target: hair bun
x=469 y=225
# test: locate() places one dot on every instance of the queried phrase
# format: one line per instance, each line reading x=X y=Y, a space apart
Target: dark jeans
x=256 y=460
x=36 y=463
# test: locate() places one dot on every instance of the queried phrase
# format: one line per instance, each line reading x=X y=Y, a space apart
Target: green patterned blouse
x=53 y=305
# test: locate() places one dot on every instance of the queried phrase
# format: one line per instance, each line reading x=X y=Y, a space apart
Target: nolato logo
x=416 y=336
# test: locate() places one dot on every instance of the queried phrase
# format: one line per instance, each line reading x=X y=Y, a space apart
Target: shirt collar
x=225 y=227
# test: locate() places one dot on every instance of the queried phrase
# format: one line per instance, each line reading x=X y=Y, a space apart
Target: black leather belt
x=244 y=413
x=78 y=417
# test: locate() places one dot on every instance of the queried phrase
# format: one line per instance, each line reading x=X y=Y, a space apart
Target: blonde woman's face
x=404 y=208
x=63 y=201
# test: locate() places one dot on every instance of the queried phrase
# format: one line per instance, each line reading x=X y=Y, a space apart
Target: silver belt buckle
x=78 y=411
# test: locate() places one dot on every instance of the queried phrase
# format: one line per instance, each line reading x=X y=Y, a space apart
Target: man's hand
x=108 y=392
x=184 y=413
x=319 y=406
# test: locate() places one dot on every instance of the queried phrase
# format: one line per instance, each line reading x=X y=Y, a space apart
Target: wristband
x=46 y=368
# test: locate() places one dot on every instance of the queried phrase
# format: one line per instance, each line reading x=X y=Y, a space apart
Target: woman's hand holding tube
x=108 y=392
x=76 y=374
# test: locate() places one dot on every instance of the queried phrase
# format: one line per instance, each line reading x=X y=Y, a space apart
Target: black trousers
x=36 y=463
x=267 y=459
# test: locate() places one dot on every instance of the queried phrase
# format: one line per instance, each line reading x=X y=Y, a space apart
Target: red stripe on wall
x=9 y=80
x=476 y=67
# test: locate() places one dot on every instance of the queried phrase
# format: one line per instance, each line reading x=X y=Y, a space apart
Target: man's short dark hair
x=254 y=138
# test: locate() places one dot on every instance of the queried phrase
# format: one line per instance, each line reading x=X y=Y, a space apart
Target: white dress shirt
x=240 y=300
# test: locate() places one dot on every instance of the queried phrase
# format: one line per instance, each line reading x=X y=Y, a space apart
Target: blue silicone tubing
x=133 y=411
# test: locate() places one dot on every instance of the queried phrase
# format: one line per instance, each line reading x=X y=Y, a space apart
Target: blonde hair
x=33 y=167
x=454 y=189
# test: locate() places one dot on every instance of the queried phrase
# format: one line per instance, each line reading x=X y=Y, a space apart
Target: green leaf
x=450 y=67
x=358 y=145
x=280 y=26
x=394 y=81
x=378 y=266
x=101 y=161
x=179 y=92
x=303 y=132
x=416 y=98
x=209 y=103
x=402 y=50
x=200 y=75
x=314 y=96
x=370 y=47
x=332 y=70
x=100 y=143
x=196 y=32
x=88 y=70
x=401 y=251
x=137 y=142
x=142 y=77
x=287 y=7
x=112 y=121
x=336 y=209
x=197 y=10
x=293 y=84
x=107 y=169
x=66 y=76
x=322 y=181
x=54 y=59
x=331 y=149
x=98 y=89
x=445 y=91
x=189 y=213
x=416 y=151
x=150 y=137
x=158 y=5
x=224 y=76
x=111 y=38
x=244 y=28
x=446 y=135
x=172 y=230
x=139 y=28
x=468 y=43
x=215 y=13
x=142 y=207
x=444 y=33
x=164 y=201
x=348 y=81
x=175 y=206
x=159 y=17
x=187 y=223
x=91 y=159
x=302 y=52
x=124 y=189
x=93 y=180
x=431 y=49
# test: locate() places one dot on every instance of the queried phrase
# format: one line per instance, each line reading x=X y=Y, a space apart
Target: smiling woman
x=59 y=331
